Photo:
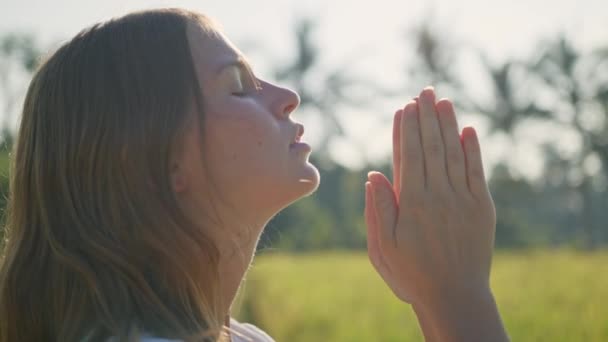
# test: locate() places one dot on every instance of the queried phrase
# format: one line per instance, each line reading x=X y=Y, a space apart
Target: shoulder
x=242 y=332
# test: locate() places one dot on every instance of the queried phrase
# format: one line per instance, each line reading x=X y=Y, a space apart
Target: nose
x=286 y=102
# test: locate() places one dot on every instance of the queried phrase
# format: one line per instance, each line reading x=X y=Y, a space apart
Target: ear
x=177 y=177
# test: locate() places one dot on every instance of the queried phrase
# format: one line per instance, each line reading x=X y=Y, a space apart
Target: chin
x=309 y=180
x=302 y=186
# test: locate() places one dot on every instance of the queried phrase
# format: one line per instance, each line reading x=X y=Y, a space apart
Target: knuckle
x=435 y=148
x=440 y=201
x=454 y=158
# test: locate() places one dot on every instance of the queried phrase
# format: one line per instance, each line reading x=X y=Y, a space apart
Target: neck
x=236 y=237
x=232 y=272
x=235 y=260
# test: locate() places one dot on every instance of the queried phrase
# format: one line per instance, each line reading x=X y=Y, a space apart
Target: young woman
x=150 y=158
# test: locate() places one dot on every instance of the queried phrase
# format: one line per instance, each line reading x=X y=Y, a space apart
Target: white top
x=239 y=332
x=246 y=332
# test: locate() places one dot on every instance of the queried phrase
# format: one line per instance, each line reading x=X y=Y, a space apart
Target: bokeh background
x=531 y=76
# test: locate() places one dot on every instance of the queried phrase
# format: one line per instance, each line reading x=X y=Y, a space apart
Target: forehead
x=210 y=49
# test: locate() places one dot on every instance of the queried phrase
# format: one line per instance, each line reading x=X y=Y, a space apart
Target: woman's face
x=250 y=161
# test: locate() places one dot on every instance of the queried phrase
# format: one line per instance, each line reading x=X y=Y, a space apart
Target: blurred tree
x=433 y=54
x=517 y=226
x=512 y=99
x=432 y=58
x=567 y=88
x=19 y=57
x=19 y=53
x=578 y=86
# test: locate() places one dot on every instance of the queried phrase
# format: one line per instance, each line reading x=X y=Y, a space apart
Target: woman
x=150 y=158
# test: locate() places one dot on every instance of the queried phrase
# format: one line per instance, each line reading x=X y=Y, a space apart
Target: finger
x=475 y=176
x=454 y=155
x=412 y=158
x=385 y=206
x=397 y=151
x=373 y=246
x=432 y=142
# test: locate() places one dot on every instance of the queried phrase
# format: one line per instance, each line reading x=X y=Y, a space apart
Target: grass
x=542 y=295
x=3 y=163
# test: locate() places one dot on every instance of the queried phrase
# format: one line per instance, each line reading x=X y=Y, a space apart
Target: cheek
x=241 y=126
x=241 y=141
x=244 y=153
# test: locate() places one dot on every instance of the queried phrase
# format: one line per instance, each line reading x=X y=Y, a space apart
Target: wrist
x=463 y=315
x=443 y=297
x=460 y=300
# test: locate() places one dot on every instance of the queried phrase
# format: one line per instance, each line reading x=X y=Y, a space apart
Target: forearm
x=468 y=318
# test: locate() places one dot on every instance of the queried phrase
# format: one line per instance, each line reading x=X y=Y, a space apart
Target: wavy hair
x=96 y=245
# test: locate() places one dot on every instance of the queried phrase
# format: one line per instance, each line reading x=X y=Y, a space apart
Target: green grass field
x=542 y=296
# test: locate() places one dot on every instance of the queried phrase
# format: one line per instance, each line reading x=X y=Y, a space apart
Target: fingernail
x=410 y=107
x=428 y=94
x=469 y=130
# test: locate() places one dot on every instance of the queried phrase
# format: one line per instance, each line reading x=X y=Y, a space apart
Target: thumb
x=384 y=203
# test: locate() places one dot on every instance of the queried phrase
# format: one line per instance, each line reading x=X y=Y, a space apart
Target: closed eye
x=241 y=79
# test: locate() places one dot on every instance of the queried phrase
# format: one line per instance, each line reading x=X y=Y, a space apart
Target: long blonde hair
x=96 y=245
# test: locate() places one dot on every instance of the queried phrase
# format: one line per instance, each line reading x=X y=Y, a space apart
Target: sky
x=370 y=30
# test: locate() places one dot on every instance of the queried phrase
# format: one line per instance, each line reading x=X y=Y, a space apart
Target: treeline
x=560 y=89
